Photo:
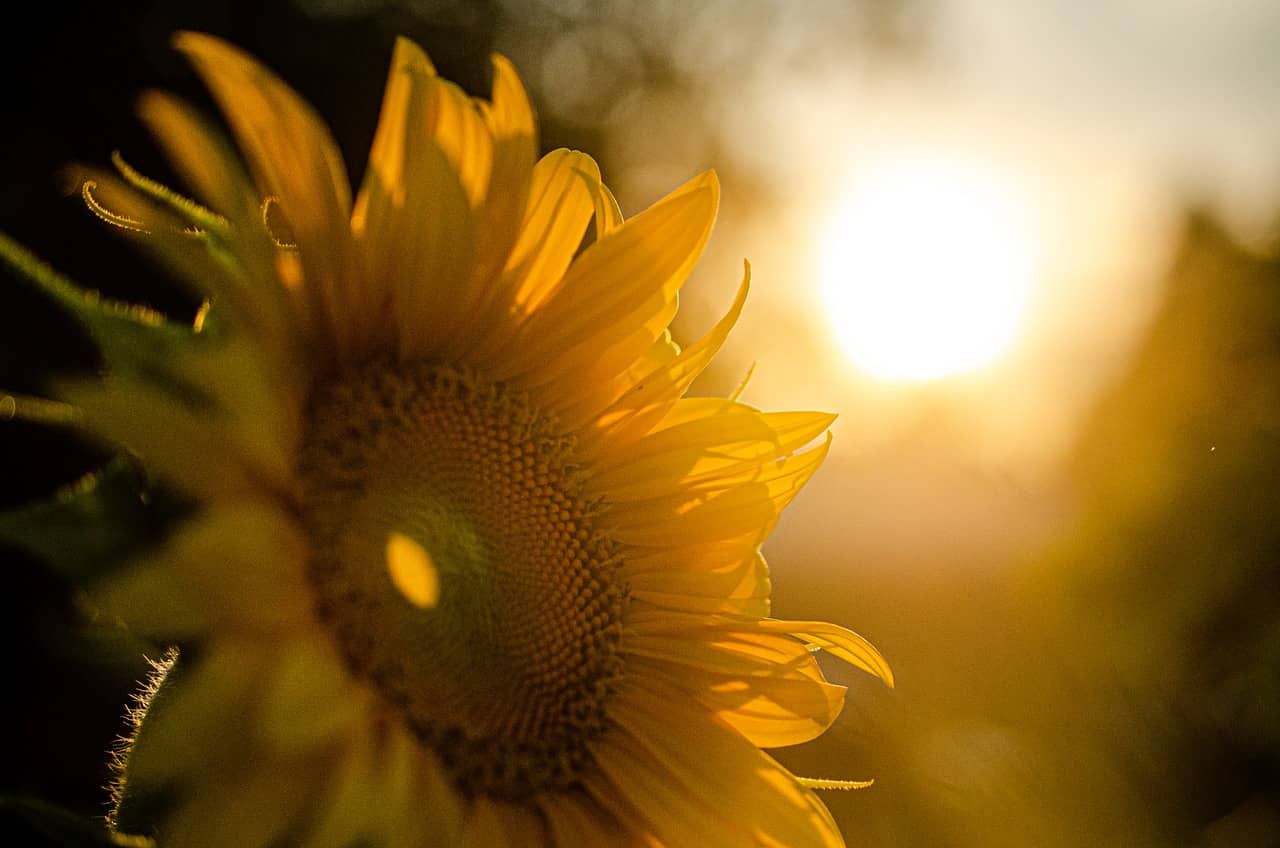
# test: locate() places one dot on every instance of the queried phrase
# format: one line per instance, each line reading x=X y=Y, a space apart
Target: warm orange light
x=927 y=268
x=412 y=571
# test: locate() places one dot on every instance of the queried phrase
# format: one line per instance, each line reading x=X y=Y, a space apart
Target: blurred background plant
x=1052 y=495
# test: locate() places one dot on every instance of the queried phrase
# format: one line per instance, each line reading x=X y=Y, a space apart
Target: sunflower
x=464 y=566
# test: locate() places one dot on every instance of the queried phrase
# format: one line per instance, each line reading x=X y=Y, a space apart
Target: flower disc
x=506 y=674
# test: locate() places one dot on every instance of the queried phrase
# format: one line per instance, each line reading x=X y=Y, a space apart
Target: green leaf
x=33 y=823
x=99 y=520
x=133 y=339
x=139 y=806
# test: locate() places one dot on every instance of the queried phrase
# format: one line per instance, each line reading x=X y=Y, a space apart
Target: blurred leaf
x=96 y=521
x=1167 y=589
x=133 y=339
x=33 y=823
x=140 y=805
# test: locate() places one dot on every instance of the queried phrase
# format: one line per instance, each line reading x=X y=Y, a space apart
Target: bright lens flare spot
x=412 y=571
x=927 y=267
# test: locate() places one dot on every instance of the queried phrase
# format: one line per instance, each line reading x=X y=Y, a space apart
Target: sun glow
x=927 y=268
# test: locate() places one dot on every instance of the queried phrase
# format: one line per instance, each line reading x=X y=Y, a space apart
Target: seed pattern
x=507 y=677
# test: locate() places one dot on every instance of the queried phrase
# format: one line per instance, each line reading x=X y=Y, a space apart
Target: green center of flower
x=456 y=561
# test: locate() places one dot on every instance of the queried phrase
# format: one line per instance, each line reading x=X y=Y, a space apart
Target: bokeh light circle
x=927 y=267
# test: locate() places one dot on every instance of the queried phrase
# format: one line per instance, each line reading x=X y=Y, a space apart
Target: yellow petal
x=716 y=555
x=836 y=640
x=652 y=252
x=374 y=223
x=839 y=642
x=495 y=823
x=415 y=219
x=509 y=119
x=617 y=369
x=718 y=448
x=599 y=371
x=511 y=123
x=653 y=396
x=787 y=707
x=697 y=781
x=461 y=132
x=198 y=152
x=710 y=513
x=575 y=819
x=558 y=208
x=377 y=794
x=294 y=159
x=735 y=647
x=430 y=253
x=740 y=588
x=773 y=712
x=608 y=214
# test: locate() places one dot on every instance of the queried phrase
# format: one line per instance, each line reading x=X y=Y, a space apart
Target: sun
x=927 y=267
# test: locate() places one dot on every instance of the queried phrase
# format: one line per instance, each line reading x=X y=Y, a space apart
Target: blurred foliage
x=1167 y=596
x=32 y=823
x=1122 y=687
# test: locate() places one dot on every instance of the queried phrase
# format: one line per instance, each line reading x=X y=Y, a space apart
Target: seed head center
x=457 y=564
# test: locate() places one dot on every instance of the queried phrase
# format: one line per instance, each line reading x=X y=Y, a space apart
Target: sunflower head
x=466 y=566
